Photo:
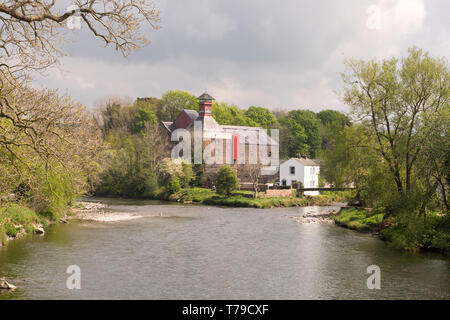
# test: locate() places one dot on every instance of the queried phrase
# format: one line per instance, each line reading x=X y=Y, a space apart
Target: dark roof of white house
x=303 y=161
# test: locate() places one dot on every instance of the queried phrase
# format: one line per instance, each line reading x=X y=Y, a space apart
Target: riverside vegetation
x=393 y=146
x=398 y=154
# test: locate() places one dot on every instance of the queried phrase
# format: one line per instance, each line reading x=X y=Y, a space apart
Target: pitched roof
x=205 y=96
x=191 y=113
x=303 y=161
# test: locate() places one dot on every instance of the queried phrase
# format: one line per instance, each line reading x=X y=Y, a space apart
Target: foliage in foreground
x=17 y=219
x=402 y=232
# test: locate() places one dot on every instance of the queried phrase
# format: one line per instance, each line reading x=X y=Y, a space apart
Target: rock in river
x=6 y=285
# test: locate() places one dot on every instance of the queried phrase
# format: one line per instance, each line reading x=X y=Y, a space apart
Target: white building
x=303 y=170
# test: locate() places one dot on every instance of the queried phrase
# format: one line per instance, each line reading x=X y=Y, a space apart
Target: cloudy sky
x=278 y=54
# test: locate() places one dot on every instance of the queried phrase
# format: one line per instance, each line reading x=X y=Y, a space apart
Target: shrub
x=173 y=187
x=227 y=180
x=10 y=230
x=187 y=176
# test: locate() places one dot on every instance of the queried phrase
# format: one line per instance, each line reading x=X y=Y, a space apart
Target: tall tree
x=173 y=102
x=226 y=114
x=300 y=132
x=333 y=117
x=394 y=97
x=332 y=122
x=262 y=116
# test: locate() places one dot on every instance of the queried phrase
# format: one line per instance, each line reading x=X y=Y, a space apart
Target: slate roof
x=205 y=96
x=254 y=134
x=303 y=161
x=191 y=113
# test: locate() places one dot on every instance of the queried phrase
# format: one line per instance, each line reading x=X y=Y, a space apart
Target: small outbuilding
x=300 y=169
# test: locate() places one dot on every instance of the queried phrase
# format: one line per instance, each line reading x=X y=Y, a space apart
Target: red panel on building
x=235 y=146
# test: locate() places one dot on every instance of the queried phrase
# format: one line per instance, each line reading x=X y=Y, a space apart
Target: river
x=173 y=251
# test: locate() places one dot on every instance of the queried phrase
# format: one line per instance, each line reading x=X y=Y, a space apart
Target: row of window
x=292 y=170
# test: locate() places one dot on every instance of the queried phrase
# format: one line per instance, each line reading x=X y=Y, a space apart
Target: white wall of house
x=293 y=170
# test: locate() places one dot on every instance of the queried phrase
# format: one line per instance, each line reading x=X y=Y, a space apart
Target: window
x=269 y=154
x=283 y=182
x=292 y=170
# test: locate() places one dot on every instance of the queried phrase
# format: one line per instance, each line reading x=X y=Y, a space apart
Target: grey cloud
x=275 y=54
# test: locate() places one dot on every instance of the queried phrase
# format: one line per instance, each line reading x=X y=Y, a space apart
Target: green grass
x=359 y=219
x=244 y=198
x=407 y=231
x=194 y=194
x=15 y=219
x=339 y=196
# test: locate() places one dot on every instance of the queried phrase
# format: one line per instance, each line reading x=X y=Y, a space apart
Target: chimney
x=205 y=105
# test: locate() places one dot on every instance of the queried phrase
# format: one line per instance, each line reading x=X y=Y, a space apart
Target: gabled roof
x=303 y=161
x=191 y=113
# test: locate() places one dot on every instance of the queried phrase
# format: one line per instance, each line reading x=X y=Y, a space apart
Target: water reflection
x=197 y=252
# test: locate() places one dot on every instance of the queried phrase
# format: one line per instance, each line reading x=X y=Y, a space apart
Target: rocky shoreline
x=323 y=217
x=96 y=211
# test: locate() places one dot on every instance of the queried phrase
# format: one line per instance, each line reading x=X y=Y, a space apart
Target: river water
x=173 y=251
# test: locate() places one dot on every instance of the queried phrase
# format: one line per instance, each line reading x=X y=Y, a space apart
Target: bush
x=411 y=233
x=187 y=176
x=227 y=180
x=173 y=187
x=10 y=230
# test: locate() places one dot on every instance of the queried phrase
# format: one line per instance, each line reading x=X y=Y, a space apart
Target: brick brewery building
x=244 y=148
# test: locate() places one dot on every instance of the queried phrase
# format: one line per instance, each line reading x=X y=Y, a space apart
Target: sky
x=277 y=54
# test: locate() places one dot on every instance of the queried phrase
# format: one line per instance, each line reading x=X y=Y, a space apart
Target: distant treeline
x=137 y=160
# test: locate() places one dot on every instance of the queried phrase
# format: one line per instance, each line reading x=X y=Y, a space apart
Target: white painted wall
x=285 y=172
x=311 y=179
x=308 y=175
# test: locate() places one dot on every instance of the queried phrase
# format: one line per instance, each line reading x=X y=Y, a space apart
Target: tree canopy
x=173 y=102
x=300 y=133
x=262 y=116
x=226 y=114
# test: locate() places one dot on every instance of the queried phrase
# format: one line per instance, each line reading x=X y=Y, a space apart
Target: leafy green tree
x=332 y=122
x=173 y=102
x=187 y=176
x=262 y=116
x=128 y=173
x=144 y=117
x=333 y=118
x=226 y=114
x=351 y=160
x=394 y=98
x=173 y=186
x=227 y=180
x=301 y=133
x=150 y=103
x=169 y=170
